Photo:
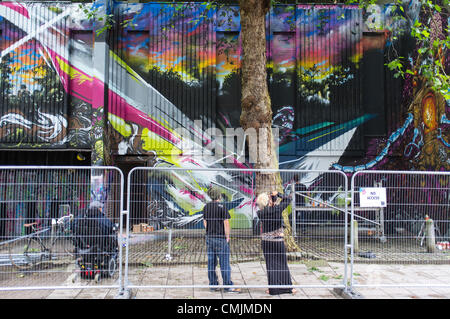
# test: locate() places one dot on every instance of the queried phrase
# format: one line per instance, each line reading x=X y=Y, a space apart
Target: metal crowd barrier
x=49 y=239
x=414 y=222
x=165 y=228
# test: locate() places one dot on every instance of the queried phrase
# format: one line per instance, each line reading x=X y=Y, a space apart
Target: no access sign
x=372 y=197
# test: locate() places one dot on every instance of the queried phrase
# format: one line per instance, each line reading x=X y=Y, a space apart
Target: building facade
x=123 y=95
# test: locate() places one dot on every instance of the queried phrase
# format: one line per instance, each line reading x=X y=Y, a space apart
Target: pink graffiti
x=16 y=7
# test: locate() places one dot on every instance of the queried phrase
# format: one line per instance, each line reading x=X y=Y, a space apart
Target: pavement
x=184 y=277
x=314 y=280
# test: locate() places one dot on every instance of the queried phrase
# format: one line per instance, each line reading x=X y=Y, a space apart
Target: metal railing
x=160 y=234
x=414 y=221
x=42 y=210
x=165 y=223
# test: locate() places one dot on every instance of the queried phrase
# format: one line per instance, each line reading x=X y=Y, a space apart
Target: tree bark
x=255 y=101
x=256 y=105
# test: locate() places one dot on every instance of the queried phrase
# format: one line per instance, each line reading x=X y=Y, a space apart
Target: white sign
x=372 y=197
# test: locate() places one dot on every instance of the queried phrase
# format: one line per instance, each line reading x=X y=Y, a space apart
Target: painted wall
x=38 y=196
x=177 y=66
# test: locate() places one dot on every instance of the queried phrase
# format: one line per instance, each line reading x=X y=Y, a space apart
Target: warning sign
x=372 y=197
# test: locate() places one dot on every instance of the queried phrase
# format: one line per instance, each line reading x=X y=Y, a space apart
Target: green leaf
x=422 y=50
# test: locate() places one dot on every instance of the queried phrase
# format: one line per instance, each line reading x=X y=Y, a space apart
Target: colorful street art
x=420 y=141
x=177 y=66
x=38 y=196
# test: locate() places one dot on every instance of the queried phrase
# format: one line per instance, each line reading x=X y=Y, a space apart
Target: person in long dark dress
x=272 y=242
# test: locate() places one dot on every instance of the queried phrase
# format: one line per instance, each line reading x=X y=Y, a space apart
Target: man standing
x=216 y=220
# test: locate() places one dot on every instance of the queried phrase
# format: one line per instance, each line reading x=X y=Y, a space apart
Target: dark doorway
x=373 y=84
x=45 y=158
x=138 y=201
x=37 y=158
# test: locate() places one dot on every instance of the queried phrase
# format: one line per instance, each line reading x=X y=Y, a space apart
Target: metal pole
x=351 y=230
x=121 y=245
x=168 y=256
x=294 y=212
x=346 y=246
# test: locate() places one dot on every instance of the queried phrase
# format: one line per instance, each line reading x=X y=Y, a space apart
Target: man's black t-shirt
x=215 y=213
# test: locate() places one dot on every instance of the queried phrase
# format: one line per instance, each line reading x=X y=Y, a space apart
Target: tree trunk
x=256 y=106
x=255 y=102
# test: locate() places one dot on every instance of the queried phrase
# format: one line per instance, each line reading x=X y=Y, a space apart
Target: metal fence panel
x=47 y=240
x=165 y=229
x=397 y=234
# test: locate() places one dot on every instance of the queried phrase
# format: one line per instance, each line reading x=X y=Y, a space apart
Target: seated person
x=92 y=227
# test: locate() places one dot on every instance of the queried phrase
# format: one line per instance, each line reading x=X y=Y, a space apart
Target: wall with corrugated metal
x=191 y=56
x=169 y=77
x=37 y=110
x=187 y=61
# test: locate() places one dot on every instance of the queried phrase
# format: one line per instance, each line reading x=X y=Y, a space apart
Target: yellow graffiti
x=151 y=141
x=429 y=113
x=119 y=125
x=98 y=147
x=356 y=58
x=315 y=138
x=122 y=63
x=73 y=73
x=206 y=63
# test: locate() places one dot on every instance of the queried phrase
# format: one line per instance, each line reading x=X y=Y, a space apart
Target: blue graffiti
x=392 y=139
x=444 y=119
x=439 y=137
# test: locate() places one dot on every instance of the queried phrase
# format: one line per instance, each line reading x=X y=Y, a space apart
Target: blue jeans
x=218 y=248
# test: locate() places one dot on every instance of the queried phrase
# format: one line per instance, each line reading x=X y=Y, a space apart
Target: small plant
x=314 y=269
x=324 y=277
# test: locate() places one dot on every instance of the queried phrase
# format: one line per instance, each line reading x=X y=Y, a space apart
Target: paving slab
x=306 y=275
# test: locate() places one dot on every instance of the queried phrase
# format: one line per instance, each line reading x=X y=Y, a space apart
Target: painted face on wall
x=429 y=113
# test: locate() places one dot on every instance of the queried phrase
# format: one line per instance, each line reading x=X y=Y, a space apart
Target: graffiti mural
x=177 y=66
x=419 y=141
x=35 y=108
x=39 y=196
